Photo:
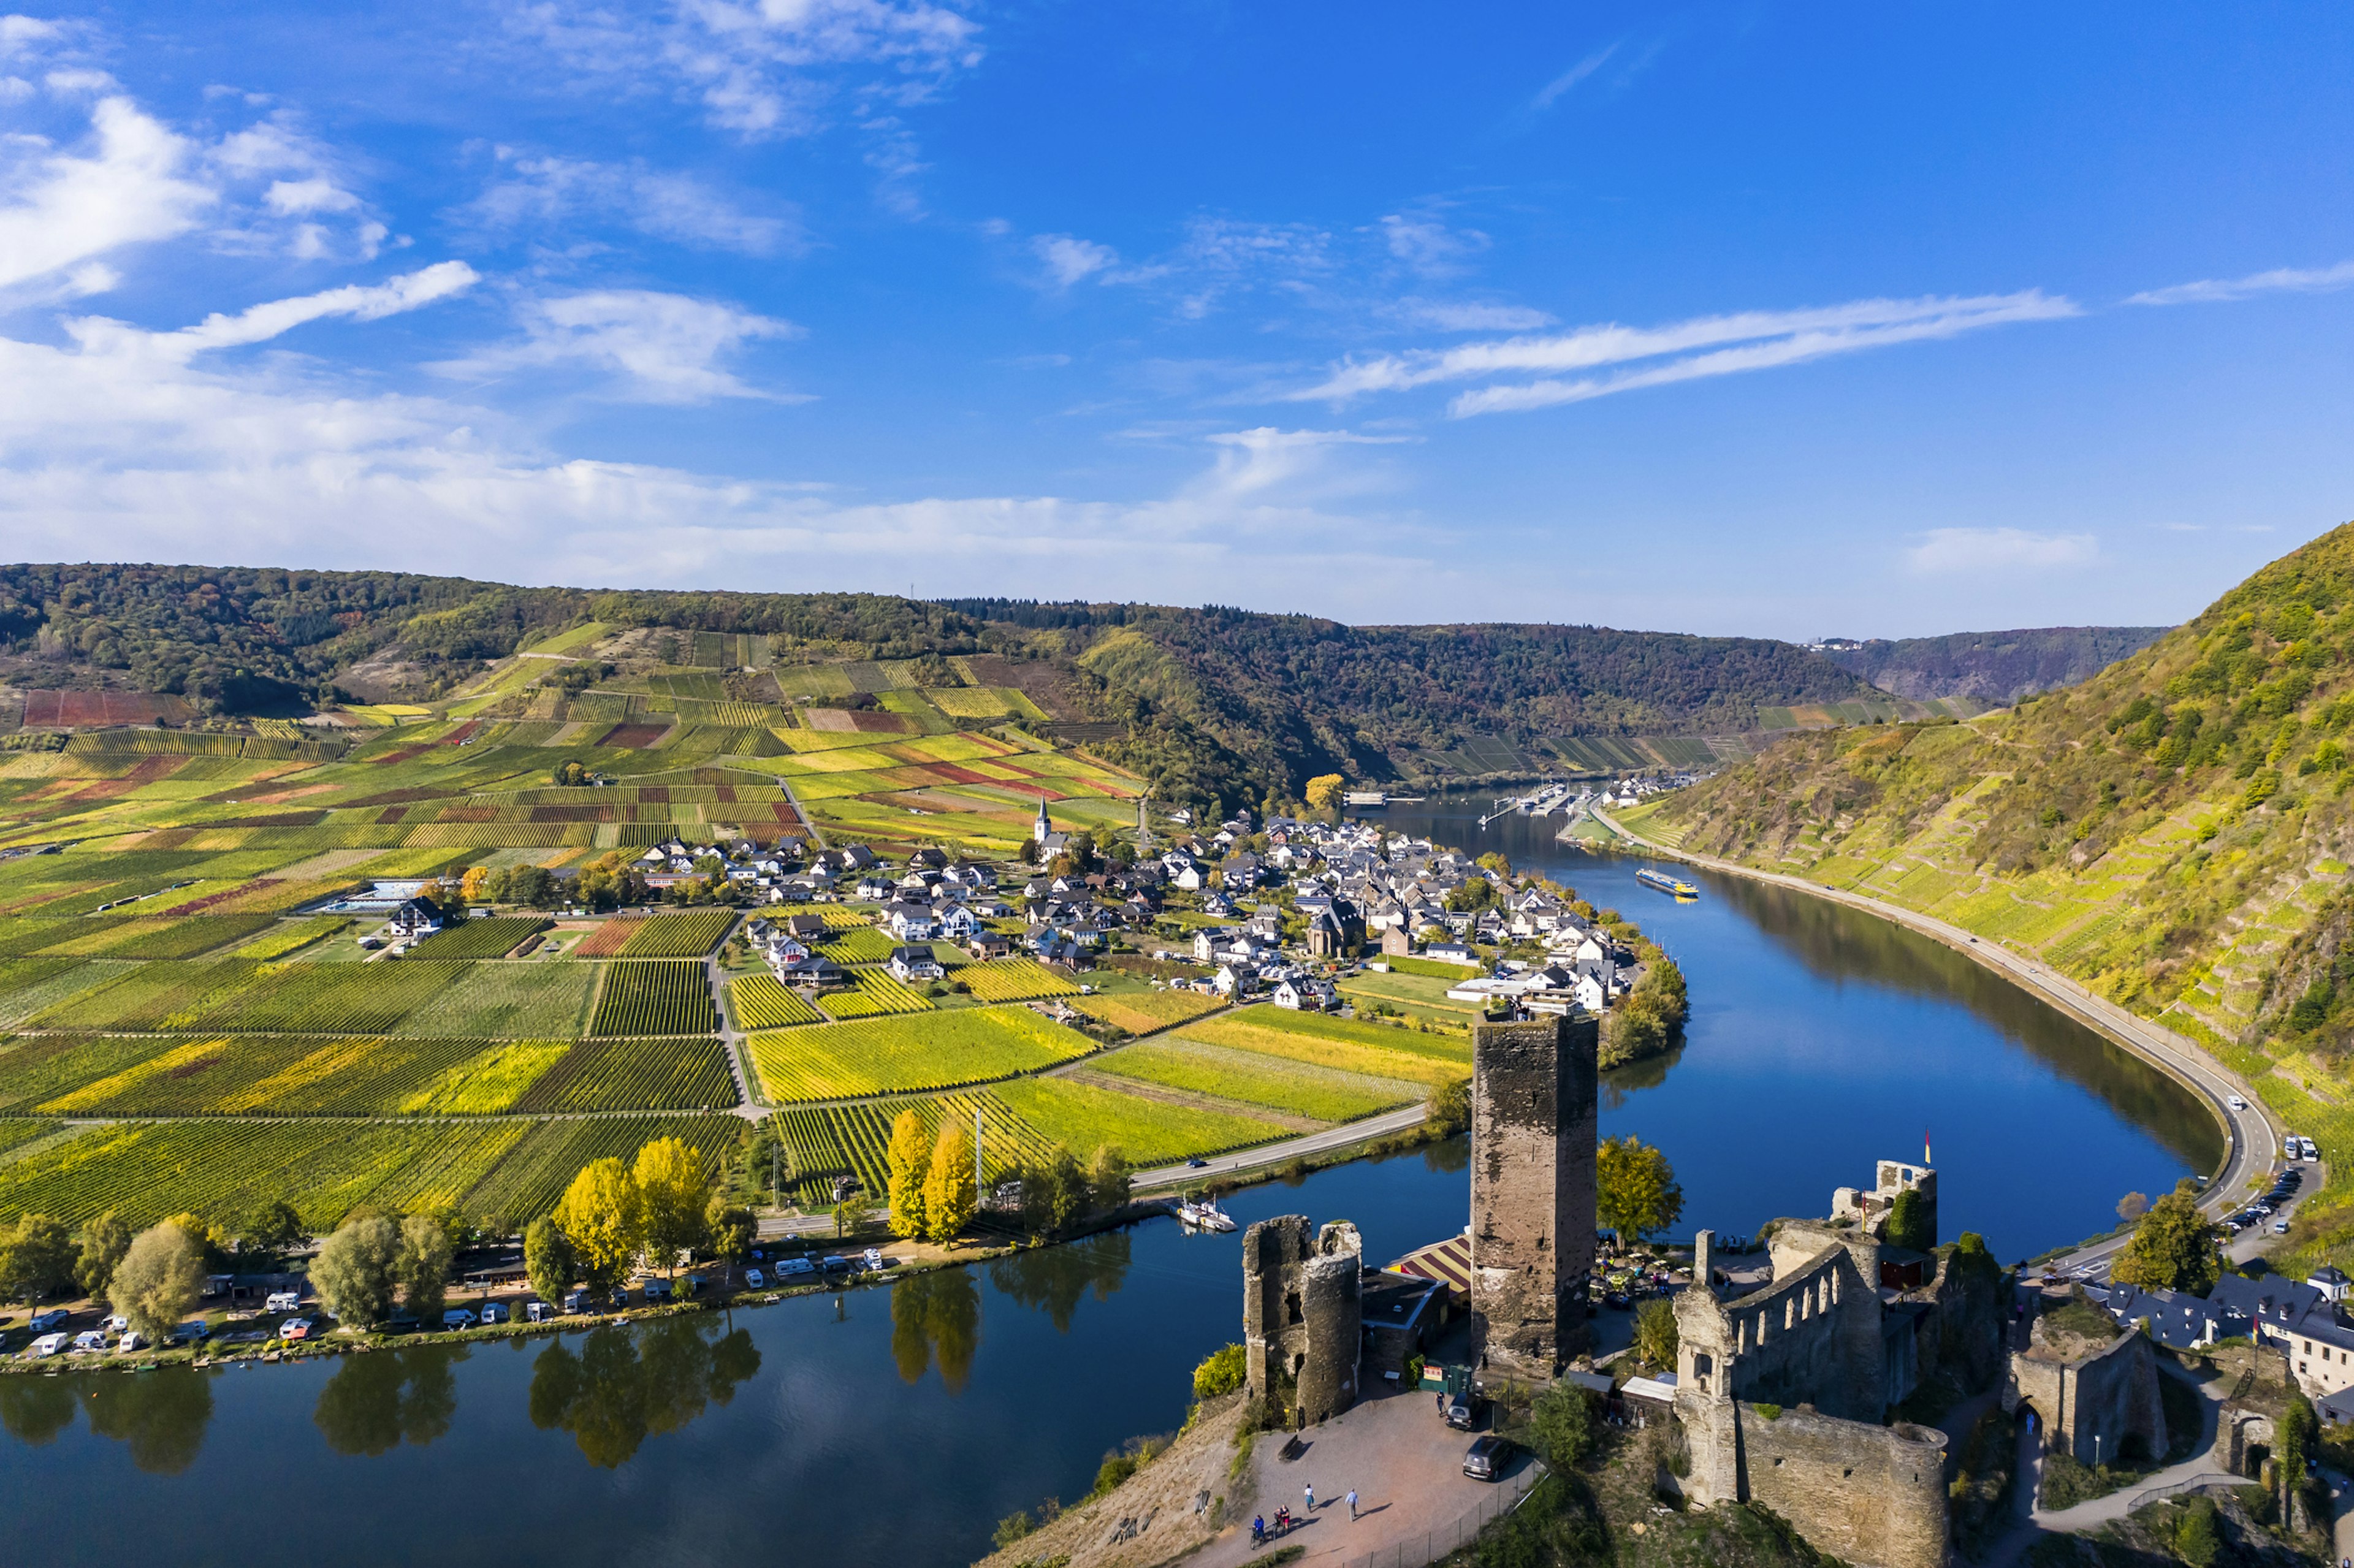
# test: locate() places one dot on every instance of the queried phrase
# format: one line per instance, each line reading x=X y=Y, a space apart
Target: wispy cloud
x=1552 y=91
x=2279 y=281
x=131 y=183
x=658 y=347
x=363 y=303
x=1469 y=315
x=664 y=204
x=1069 y=259
x=1956 y=551
x=1685 y=351
x=1251 y=462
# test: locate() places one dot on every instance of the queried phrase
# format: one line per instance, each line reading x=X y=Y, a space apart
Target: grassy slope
x=2174 y=833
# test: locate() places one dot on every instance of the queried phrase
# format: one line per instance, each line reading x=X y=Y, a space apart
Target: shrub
x=1221 y=1371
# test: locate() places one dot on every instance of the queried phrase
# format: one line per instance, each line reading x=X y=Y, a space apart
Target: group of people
x=1261 y=1534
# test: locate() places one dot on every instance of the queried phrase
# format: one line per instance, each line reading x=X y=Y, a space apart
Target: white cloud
x=1430 y=247
x=2280 y=280
x=1752 y=339
x=290 y=198
x=763 y=68
x=1251 y=462
x=1569 y=78
x=1956 y=551
x=663 y=348
x=129 y=184
x=1469 y=315
x=672 y=206
x=1069 y=259
x=259 y=323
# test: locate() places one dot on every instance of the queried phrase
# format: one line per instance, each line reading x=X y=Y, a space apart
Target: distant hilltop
x=1996 y=668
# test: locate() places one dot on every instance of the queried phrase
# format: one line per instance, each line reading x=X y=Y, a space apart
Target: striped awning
x=1448 y=1262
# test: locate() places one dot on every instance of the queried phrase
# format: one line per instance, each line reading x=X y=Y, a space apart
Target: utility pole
x=979 y=1188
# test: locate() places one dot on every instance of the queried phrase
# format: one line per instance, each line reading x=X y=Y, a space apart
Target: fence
x=1430 y=1545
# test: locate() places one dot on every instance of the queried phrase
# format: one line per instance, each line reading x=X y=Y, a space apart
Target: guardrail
x=1430 y=1545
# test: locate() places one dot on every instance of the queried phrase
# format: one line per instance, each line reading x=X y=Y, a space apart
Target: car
x=401 y=1322
x=457 y=1318
x=1459 y=1414
x=2280 y=1227
x=754 y=1280
x=1487 y=1457
x=42 y=1322
x=2236 y=1103
x=295 y=1329
x=48 y=1345
x=493 y=1312
x=834 y=1263
x=1195 y=1162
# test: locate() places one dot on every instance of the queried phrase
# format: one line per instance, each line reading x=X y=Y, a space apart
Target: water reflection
x=1053 y=1280
x=160 y=1416
x=622 y=1387
x=377 y=1401
x=937 y=1316
x=35 y=1409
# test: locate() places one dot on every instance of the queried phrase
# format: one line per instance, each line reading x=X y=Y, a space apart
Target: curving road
x=2256 y=1142
x=1267 y=1154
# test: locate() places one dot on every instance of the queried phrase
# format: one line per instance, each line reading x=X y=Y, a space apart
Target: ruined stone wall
x=1862 y=1493
x=1810 y=1338
x=1533 y=1116
x=1302 y=1315
x=2095 y=1409
x=1331 y=1284
x=1963 y=1334
x=1275 y=1309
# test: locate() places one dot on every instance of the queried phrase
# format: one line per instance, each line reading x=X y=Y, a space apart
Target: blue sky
x=1786 y=320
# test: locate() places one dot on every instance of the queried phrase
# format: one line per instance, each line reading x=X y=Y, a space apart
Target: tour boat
x=1205 y=1216
x=1666 y=884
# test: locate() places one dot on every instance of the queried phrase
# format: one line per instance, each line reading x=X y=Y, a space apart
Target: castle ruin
x=1303 y=1316
x=1533 y=1116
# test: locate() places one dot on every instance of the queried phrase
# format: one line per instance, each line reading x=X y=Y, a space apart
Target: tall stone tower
x=1533 y=1171
x=1302 y=1315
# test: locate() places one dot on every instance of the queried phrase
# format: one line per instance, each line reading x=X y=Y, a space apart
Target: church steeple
x=1042 y=827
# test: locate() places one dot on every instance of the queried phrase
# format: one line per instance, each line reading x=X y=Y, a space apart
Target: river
x=898 y=1424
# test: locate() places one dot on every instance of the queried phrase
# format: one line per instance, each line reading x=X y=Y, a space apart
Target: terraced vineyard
x=1370 y=1049
x=875 y=1056
x=656 y=996
x=1252 y=1079
x=1083 y=1117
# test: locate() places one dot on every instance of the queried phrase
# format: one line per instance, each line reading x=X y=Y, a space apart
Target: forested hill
x=1997 y=668
x=2175 y=832
x=1212 y=704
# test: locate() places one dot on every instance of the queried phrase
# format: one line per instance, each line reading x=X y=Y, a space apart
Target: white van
x=540 y=1311
x=47 y=1345
x=493 y=1312
x=283 y=1301
x=754 y=1280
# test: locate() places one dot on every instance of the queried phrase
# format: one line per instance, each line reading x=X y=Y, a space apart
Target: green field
x=658 y=996
x=686 y=935
x=1254 y=1078
x=524 y=999
x=877 y=995
x=477 y=939
x=1084 y=1118
x=1013 y=980
x=928 y=1051
x=762 y=1001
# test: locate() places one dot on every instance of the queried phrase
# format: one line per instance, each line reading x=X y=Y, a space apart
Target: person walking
x=1352 y=1504
x=1310 y=1490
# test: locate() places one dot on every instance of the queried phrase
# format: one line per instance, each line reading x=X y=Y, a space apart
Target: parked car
x=457 y=1318
x=2280 y=1227
x=48 y=1345
x=754 y=1279
x=283 y=1301
x=1459 y=1414
x=42 y=1322
x=493 y=1312
x=1488 y=1458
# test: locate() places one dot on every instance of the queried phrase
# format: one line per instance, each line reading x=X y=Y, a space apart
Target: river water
x=898 y=1424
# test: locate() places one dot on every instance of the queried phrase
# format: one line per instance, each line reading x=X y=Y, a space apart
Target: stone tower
x=1533 y=1172
x=1302 y=1315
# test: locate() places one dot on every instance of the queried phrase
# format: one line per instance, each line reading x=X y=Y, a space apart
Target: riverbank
x=2253 y=1142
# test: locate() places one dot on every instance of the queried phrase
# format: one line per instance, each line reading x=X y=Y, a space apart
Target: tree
x=36 y=1259
x=1654 y=1331
x=1562 y=1417
x=951 y=1196
x=159 y=1279
x=1108 y=1182
x=674 y=1189
x=601 y=1212
x=731 y=1230
x=2133 y=1206
x=909 y=1161
x=422 y=1266
x=1450 y=1107
x=548 y=1259
x=1635 y=1188
x=104 y=1240
x=353 y=1272
x=273 y=1232
x=1321 y=791
x=568 y=775
x=1054 y=1192
x=2198 y=1540
x=1909 y=1222
x=2173 y=1248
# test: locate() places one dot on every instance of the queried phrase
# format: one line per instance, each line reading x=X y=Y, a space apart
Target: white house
x=915 y=964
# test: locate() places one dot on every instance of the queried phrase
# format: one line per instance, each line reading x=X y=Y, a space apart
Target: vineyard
x=524 y=999
x=501 y=1173
x=660 y=996
x=285 y=937
x=1083 y=1118
x=635 y=1074
x=607 y=940
x=1013 y=980
x=762 y=1001
x=486 y=1082
x=877 y=996
x=689 y=935
x=944 y=1050
x=325 y=998
x=477 y=939
x=859 y=945
x=831 y=1140
x=1415 y=1056
x=1141 y=1013
x=1249 y=1078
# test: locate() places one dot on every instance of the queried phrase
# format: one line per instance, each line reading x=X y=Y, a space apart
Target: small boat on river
x=1204 y=1217
x=1663 y=883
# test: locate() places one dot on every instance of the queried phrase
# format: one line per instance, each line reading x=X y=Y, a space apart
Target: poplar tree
x=601 y=1212
x=909 y=1160
x=673 y=1182
x=951 y=1196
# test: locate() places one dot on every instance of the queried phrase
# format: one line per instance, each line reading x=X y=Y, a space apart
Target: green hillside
x=2175 y=832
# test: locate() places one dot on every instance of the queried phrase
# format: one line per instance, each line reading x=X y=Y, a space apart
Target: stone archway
x=2244 y=1441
